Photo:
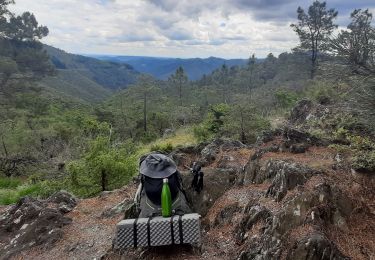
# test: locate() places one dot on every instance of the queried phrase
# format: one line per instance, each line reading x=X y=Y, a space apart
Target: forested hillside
x=86 y=78
x=163 y=68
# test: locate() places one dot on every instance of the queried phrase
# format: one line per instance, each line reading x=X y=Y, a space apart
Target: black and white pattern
x=160 y=231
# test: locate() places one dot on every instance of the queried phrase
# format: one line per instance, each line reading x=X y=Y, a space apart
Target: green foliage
x=356 y=45
x=314 y=28
x=8 y=197
x=285 y=98
x=202 y=133
x=213 y=123
x=364 y=161
x=244 y=123
x=9 y=183
x=162 y=147
x=362 y=148
x=11 y=196
x=103 y=167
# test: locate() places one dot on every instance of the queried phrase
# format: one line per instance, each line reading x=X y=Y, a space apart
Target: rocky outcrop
x=284 y=174
x=65 y=201
x=210 y=152
x=301 y=111
x=216 y=183
x=287 y=175
x=34 y=222
x=126 y=207
x=315 y=246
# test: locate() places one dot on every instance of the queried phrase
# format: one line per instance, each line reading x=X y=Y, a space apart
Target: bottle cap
x=165 y=180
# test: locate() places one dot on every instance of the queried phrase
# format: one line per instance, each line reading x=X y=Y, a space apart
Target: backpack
x=153 y=187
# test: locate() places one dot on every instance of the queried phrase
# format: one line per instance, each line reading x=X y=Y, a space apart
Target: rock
x=315 y=247
x=267 y=136
x=210 y=151
x=126 y=207
x=297 y=136
x=230 y=145
x=64 y=208
x=250 y=172
x=299 y=148
x=225 y=216
x=216 y=183
x=208 y=154
x=32 y=222
x=301 y=111
x=63 y=198
x=286 y=176
x=251 y=216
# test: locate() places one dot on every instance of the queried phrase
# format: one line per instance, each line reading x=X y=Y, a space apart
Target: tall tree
x=251 y=67
x=146 y=87
x=180 y=79
x=21 y=54
x=314 y=29
x=223 y=81
x=356 y=45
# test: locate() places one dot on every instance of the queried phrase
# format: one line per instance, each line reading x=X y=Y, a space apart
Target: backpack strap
x=182 y=188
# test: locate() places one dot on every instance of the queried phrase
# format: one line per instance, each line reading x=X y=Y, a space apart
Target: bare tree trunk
x=243 y=136
x=104 y=180
x=180 y=92
x=4 y=146
x=145 y=112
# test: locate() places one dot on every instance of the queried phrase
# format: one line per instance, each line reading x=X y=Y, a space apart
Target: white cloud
x=184 y=28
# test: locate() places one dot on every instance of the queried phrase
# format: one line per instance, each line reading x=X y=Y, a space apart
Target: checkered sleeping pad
x=135 y=232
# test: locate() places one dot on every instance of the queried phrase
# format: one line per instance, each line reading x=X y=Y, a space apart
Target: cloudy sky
x=175 y=28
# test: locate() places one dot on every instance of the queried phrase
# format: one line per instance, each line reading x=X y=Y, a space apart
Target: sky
x=176 y=28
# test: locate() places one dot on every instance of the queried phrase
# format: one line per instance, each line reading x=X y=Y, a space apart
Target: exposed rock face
x=126 y=207
x=216 y=183
x=294 y=136
x=65 y=200
x=34 y=222
x=210 y=152
x=284 y=174
x=301 y=111
x=315 y=247
x=287 y=175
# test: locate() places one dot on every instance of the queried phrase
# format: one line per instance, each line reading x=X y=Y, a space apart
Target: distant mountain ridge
x=162 y=68
x=87 y=78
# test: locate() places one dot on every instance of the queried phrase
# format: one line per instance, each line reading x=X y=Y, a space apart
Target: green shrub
x=8 y=197
x=103 y=167
x=201 y=133
x=9 y=183
x=285 y=98
x=364 y=161
x=162 y=147
x=30 y=190
x=11 y=196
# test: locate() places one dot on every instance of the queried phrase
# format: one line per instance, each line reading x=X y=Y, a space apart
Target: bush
x=285 y=98
x=11 y=196
x=202 y=133
x=162 y=147
x=364 y=161
x=8 y=197
x=102 y=168
x=9 y=183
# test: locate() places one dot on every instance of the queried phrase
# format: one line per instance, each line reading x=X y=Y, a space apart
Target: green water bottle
x=166 y=200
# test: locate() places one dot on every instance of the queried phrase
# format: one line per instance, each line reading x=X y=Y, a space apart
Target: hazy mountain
x=87 y=78
x=162 y=68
